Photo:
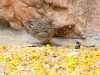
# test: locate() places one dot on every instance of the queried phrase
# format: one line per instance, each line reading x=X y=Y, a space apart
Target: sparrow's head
x=29 y=24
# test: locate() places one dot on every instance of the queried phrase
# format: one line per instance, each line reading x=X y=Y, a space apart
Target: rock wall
x=75 y=18
x=87 y=11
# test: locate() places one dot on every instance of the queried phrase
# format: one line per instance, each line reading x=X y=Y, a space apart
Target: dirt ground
x=9 y=35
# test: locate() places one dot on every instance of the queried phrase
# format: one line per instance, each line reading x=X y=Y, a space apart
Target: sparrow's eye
x=30 y=21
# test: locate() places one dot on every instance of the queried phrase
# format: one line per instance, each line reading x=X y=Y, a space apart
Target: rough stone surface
x=87 y=11
x=75 y=18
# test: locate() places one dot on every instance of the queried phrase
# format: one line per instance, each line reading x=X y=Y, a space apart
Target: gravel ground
x=18 y=59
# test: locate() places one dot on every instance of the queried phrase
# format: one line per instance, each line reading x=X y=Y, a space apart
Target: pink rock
x=73 y=17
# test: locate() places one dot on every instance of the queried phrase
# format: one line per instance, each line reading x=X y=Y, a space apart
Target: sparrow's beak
x=22 y=24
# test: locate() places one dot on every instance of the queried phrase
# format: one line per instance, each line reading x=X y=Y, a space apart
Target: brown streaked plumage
x=40 y=30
